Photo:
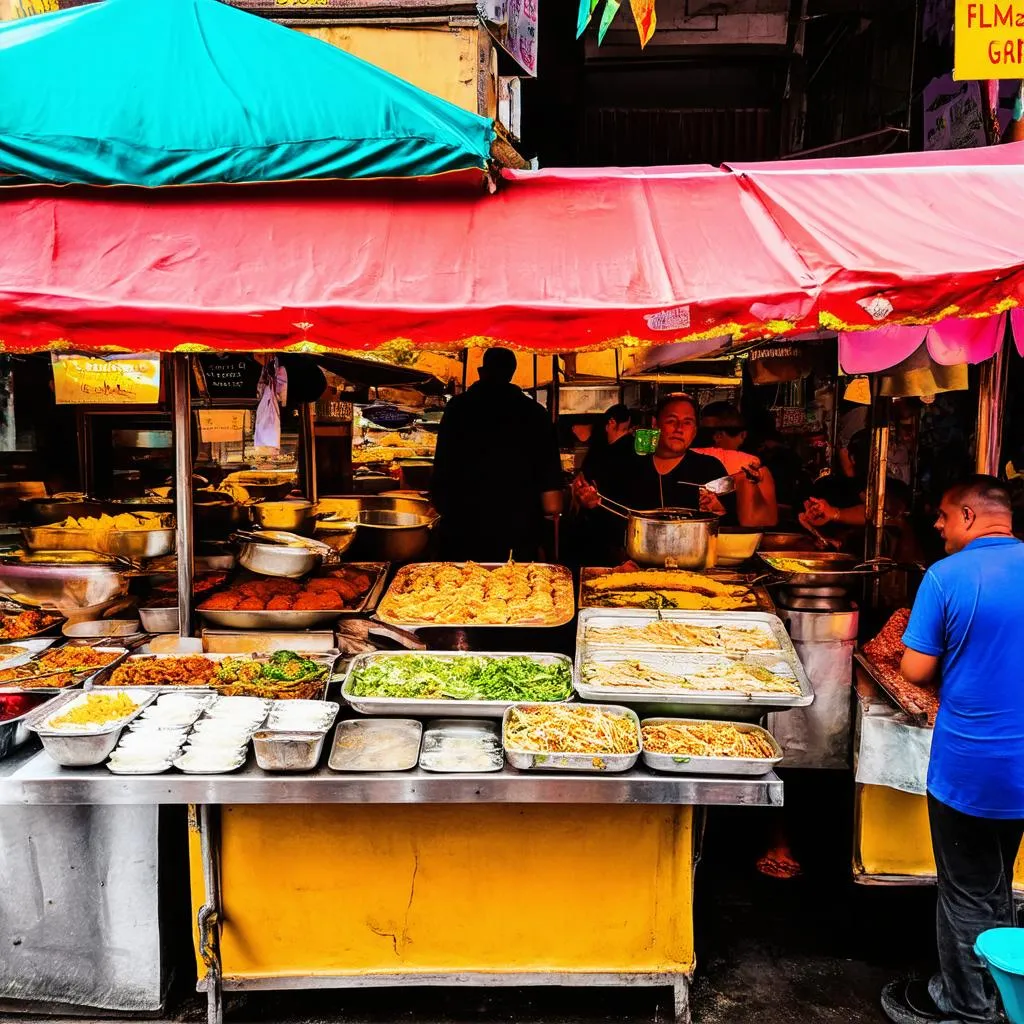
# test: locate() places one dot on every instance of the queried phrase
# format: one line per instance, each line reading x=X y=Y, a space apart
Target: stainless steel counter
x=30 y=777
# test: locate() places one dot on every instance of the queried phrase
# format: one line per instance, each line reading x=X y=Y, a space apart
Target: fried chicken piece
x=252 y=604
x=280 y=603
x=359 y=580
x=225 y=602
x=316 y=585
x=323 y=601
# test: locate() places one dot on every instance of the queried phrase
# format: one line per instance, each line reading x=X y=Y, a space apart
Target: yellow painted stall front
x=319 y=891
x=893 y=843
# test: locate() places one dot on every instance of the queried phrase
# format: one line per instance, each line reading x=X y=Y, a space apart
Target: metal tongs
x=288 y=540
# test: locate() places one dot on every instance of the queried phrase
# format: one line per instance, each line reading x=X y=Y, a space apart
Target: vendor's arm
x=756 y=504
x=821 y=513
x=925 y=636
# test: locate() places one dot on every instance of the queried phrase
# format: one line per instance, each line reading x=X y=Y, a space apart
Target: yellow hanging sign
x=988 y=40
x=106 y=380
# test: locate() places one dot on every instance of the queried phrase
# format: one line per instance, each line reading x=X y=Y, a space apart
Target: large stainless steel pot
x=294 y=516
x=388 y=530
x=671 y=538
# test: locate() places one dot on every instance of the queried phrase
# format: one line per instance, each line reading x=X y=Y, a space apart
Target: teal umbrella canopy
x=174 y=92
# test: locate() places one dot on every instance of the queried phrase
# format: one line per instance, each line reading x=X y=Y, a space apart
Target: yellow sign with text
x=106 y=380
x=988 y=40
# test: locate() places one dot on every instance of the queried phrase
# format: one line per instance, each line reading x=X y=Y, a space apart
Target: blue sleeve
x=926 y=631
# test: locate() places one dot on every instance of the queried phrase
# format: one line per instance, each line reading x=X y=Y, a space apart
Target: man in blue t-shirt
x=965 y=634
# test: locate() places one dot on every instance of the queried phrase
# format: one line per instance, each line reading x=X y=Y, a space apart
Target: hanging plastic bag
x=272 y=393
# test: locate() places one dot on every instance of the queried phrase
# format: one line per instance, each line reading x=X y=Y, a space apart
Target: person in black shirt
x=496 y=469
x=608 y=466
x=671 y=478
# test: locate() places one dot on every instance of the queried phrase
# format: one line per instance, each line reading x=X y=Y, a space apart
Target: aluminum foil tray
x=712 y=765
x=697 y=703
x=604 y=618
x=527 y=760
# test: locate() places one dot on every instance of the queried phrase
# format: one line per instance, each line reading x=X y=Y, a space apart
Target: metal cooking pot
x=671 y=538
x=294 y=516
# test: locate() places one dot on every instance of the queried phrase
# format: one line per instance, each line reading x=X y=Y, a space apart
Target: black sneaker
x=908 y=1002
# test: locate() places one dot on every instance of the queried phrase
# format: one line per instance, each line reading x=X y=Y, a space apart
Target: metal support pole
x=181 y=376
x=208 y=918
x=554 y=389
x=877 y=474
x=991 y=405
x=307 y=450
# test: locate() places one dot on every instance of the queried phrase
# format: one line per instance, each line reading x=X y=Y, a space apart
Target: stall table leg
x=315 y=896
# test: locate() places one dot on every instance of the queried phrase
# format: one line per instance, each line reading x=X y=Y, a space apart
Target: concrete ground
x=814 y=950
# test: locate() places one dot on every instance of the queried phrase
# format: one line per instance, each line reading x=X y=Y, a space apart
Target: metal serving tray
x=763 y=600
x=407 y=624
x=53 y=628
x=605 y=618
x=342 y=760
x=84 y=678
x=446 y=731
x=698 y=703
x=449 y=708
x=328 y=661
x=712 y=765
x=31 y=647
x=82 y=749
x=287 y=619
x=528 y=760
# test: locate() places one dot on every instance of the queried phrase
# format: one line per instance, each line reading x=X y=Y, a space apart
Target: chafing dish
x=58 y=584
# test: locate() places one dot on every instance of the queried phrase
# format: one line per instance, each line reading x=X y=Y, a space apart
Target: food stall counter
x=892 y=842
x=337 y=880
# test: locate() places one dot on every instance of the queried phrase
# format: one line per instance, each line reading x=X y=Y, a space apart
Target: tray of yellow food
x=690 y=746
x=629 y=587
x=81 y=729
x=133 y=535
x=671 y=630
x=464 y=594
x=571 y=737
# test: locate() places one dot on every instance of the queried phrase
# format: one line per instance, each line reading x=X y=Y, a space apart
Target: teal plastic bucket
x=1002 y=952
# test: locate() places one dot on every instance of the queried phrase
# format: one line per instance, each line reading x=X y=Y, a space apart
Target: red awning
x=554 y=261
x=905 y=239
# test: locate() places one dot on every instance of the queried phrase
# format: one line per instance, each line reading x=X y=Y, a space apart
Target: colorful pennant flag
x=611 y=8
x=586 y=12
x=646 y=19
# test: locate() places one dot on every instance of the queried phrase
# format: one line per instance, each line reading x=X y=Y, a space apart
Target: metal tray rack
x=289 y=619
x=605 y=618
x=763 y=600
x=697 y=703
x=531 y=760
x=406 y=570
x=448 y=708
x=711 y=765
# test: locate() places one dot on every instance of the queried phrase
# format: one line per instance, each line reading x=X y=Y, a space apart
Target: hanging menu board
x=106 y=379
x=231 y=376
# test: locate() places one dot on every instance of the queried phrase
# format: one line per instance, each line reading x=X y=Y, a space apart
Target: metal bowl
x=159 y=620
x=736 y=544
x=277 y=559
x=294 y=516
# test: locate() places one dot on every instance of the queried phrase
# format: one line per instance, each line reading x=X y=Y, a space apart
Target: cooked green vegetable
x=423 y=677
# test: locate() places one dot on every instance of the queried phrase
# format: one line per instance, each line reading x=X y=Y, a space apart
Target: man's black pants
x=974 y=858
